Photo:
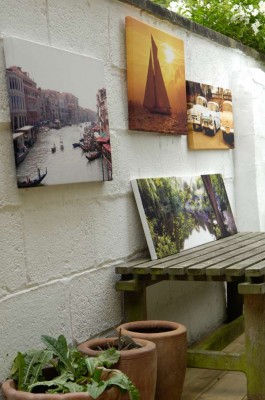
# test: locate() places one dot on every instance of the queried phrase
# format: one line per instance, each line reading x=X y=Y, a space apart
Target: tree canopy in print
x=180 y=213
x=155 y=80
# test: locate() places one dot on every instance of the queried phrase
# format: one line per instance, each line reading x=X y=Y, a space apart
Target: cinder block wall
x=59 y=245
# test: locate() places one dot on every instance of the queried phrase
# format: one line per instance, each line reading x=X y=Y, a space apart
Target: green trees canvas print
x=180 y=213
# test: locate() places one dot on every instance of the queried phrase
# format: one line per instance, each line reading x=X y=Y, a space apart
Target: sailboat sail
x=149 y=96
x=155 y=98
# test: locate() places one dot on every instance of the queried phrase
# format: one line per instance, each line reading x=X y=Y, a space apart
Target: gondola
x=32 y=182
x=94 y=156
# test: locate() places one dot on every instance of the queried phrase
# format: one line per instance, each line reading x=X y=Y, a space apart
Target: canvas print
x=179 y=213
x=210 y=117
x=59 y=115
x=155 y=80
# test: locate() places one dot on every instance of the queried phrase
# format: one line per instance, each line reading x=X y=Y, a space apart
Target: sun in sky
x=168 y=53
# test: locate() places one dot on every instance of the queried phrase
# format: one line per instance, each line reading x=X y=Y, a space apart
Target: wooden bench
x=238 y=260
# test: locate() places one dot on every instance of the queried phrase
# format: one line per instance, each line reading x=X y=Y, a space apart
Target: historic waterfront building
x=17 y=103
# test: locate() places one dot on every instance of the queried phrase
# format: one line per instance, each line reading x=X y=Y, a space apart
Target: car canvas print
x=210 y=117
x=180 y=213
x=59 y=115
x=155 y=80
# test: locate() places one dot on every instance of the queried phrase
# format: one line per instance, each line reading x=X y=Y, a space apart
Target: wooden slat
x=141 y=266
x=219 y=256
x=256 y=270
x=254 y=258
x=179 y=265
x=127 y=268
x=160 y=265
x=246 y=257
x=239 y=257
x=198 y=265
x=161 y=268
x=237 y=264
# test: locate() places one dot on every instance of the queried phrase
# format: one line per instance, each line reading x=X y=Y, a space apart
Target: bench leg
x=234 y=301
x=254 y=310
x=135 y=306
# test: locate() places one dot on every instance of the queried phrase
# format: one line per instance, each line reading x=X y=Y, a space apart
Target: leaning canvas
x=179 y=213
x=210 y=117
x=59 y=115
x=155 y=80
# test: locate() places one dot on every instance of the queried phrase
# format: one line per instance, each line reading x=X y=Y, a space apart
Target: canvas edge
x=146 y=229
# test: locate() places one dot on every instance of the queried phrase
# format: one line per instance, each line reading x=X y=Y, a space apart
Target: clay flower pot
x=10 y=392
x=171 y=346
x=139 y=364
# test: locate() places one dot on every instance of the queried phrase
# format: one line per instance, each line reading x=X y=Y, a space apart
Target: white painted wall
x=59 y=245
x=249 y=91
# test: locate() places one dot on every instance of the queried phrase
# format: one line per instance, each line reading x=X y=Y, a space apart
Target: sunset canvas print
x=155 y=80
x=179 y=213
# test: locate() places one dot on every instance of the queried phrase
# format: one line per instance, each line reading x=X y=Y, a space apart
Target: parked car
x=211 y=119
x=227 y=123
x=196 y=112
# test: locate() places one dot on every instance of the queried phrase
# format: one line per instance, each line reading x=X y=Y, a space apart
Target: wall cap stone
x=176 y=19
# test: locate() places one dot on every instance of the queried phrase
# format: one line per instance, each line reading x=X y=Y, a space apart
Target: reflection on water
x=142 y=119
x=67 y=165
x=198 y=237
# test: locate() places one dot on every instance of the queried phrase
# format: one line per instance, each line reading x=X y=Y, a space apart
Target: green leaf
x=73 y=387
x=34 y=361
x=95 y=389
x=123 y=382
x=97 y=374
x=91 y=364
x=59 y=348
x=108 y=357
x=18 y=370
x=59 y=381
x=40 y=359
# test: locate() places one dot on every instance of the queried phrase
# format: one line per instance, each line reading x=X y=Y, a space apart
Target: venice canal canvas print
x=155 y=80
x=59 y=115
x=210 y=117
x=178 y=213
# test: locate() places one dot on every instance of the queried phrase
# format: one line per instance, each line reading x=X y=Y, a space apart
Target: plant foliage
x=73 y=371
x=242 y=20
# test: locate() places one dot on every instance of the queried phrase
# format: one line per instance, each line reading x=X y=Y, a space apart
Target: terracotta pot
x=171 y=346
x=140 y=364
x=10 y=392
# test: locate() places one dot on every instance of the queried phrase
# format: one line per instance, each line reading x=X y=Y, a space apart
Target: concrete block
x=30 y=314
x=13 y=257
x=95 y=305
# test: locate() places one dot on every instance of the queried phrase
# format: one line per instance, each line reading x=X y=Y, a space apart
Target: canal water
x=67 y=165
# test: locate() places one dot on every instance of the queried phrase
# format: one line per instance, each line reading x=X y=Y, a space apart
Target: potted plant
x=138 y=360
x=61 y=372
x=171 y=346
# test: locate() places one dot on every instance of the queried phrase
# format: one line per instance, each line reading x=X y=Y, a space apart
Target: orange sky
x=171 y=59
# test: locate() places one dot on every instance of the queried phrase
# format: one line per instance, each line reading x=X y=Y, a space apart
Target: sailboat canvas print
x=179 y=213
x=155 y=80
